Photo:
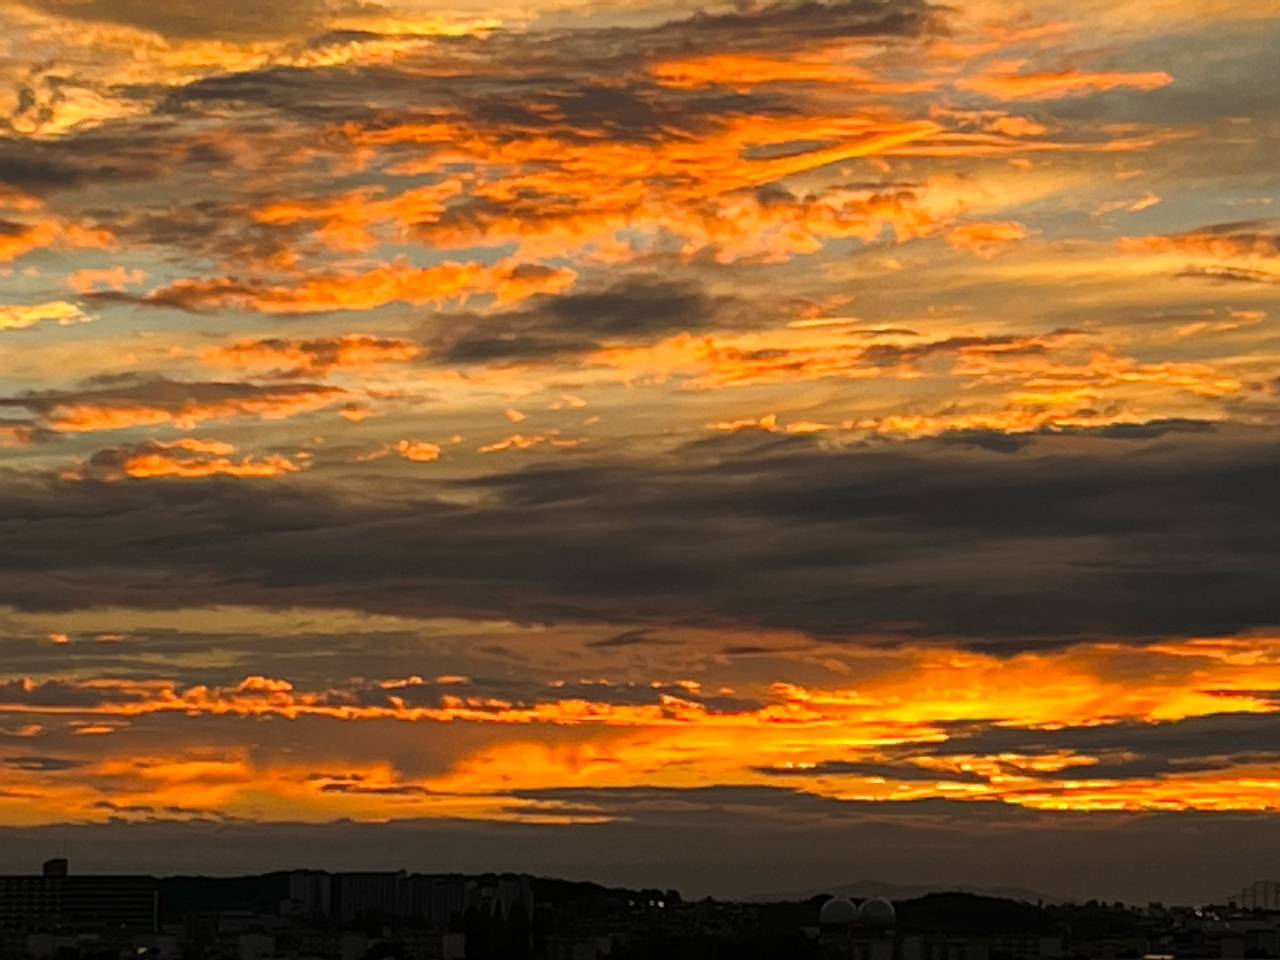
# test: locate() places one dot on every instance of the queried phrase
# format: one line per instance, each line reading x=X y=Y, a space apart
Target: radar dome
x=876 y=912
x=838 y=912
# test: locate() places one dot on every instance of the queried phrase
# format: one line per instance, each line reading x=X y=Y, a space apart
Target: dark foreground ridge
x=397 y=915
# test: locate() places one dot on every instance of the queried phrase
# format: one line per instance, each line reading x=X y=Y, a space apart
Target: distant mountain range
x=861 y=889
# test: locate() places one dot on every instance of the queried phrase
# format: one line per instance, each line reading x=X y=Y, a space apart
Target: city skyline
x=752 y=441
x=317 y=915
x=408 y=887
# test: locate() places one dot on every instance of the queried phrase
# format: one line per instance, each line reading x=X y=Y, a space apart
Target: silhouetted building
x=369 y=896
x=1260 y=895
x=310 y=894
x=437 y=901
x=56 y=899
x=865 y=932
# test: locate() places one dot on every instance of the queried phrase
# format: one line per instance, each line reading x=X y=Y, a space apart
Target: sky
x=737 y=447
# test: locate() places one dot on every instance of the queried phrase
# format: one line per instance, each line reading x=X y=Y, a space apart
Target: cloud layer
x=571 y=425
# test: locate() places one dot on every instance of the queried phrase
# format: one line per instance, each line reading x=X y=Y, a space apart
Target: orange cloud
x=16 y=434
x=354 y=351
x=744 y=71
x=418 y=451
x=1014 y=383
x=397 y=282
x=696 y=188
x=985 y=238
x=346 y=221
x=186 y=458
x=1245 y=241
x=268 y=404
x=1145 y=202
x=917 y=698
x=520 y=441
x=1010 y=126
x=22 y=239
x=18 y=239
x=768 y=423
x=1005 y=83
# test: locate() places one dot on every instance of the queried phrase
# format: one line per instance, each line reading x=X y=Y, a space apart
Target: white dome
x=876 y=912
x=838 y=912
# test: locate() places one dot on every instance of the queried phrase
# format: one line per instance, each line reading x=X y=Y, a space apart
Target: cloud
x=628 y=638
x=125 y=401
x=985 y=239
x=779 y=533
x=1240 y=275
x=1009 y=84
x=394 y=283
x=187 y=19
x=315 y=356
x=783 y=25
x=25 y=317
x=631 y=310
x=690 y=834
x=745 y=71
x=18 y=433
x=524 y=441
x=35 y=169
x=18 y=238
x=882 y=771
x=1256 y=239
x=32 y=764
x=419 y=451
x=862 y=592
x=1129 y=751
x=187 y=458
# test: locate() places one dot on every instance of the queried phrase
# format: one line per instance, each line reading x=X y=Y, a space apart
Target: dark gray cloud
x=1000 y=442
x=189 y=19
x=1262 y=231
x=636 y=309
x=222 y=230
x=561 y=80
x=135 y=394
x=330 y=688
x=1257 y=694
x=779 y=26
x=60 y=694
x=1151 y=429
x=41 y=168
x=1229 y=275
x=888 y=355
x=30 y=764
x=1053 y=542
x=1127 y=750
x=628 y=638
x=33 y=174
x=508 y=93
x=764 y=24
x=1131 y=750
x=121 y=813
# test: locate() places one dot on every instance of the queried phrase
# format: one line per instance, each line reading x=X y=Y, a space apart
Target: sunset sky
x=740 y=447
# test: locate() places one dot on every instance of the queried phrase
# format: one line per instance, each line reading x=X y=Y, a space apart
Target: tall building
x=56 y=899
x=369 y=895
x=1260 y=895
x=437 y=900
x=311 y=894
